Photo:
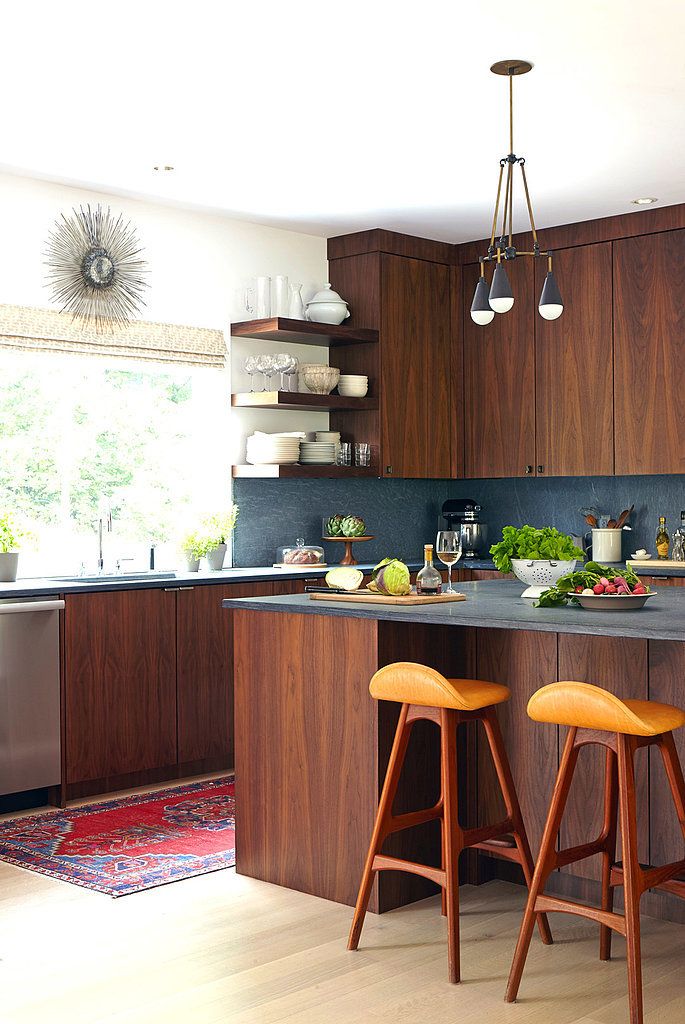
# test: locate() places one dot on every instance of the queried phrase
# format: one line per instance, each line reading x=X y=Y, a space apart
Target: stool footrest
x=548 y=904
x=661 y=877
x=382 y=862
x=474 y=837
x=504 y=847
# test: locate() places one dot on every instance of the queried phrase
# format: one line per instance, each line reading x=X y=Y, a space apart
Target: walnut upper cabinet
x=402 y=287
x=574 y=424
x=649 y=353
x=533 y=386
x=499 y=382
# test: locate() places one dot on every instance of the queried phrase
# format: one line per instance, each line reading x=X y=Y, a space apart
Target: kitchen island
x=312 y=745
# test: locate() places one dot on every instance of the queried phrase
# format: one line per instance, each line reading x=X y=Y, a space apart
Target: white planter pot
x=215 y=558
x=539 y=574
x=192 y=564
x=9 y=560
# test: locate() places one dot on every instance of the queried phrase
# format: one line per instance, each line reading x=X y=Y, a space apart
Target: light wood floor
x=223 y=948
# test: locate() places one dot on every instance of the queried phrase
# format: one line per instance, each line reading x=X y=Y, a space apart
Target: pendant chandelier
x=499 y=298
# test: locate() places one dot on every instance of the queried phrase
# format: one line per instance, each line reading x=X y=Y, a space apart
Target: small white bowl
x=641 y=558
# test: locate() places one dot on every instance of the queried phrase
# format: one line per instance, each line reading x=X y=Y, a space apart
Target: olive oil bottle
x=429 y=580
x=662 y=539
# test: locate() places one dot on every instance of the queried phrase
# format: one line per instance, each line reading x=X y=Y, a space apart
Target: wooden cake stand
x=348 y=558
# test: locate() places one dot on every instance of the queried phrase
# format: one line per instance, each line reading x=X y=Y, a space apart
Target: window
x=79 y=435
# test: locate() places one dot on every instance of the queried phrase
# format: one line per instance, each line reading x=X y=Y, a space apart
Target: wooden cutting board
x=655 y=563
x=368 y=597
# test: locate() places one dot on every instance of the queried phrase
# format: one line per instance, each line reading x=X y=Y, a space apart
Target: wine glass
x=448 y=550
x=265 y=366
x=281 y=364
x=250 y=368
x=292 y=370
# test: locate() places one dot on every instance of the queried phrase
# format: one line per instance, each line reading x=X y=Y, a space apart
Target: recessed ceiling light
x=644 y=201
x=168 y=167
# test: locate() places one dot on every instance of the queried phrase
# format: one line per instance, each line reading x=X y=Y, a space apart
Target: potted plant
x=539 y=557
x=11 y=537
x=194 y=547
x=217 y=530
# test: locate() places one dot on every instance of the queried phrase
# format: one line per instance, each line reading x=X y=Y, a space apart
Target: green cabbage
x=391 y=576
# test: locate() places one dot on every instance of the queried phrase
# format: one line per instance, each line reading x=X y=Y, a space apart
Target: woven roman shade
x=32 y=329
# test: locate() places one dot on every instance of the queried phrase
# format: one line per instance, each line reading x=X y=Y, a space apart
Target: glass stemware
x=448 y=550
x=265 y=366
x=292 y=371
x=250 y=368
x=281 y=364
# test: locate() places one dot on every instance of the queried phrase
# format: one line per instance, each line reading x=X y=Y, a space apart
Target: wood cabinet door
x=666 y=674
x=205 y=669
x=574 y=369
x=524 y=661
x=120 y=682
x=649 y=342
x=619 y=665
x=416 y=369
x=499 y=381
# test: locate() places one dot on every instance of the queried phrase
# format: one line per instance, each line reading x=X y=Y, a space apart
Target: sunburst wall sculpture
x=94 y=267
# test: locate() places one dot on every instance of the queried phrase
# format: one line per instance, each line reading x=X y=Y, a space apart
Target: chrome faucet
x=103 y=523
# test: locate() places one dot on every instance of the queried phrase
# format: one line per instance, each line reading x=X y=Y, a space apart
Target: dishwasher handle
x=17 y=607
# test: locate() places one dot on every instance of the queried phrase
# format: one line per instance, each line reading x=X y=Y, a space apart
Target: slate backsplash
x=402 y=514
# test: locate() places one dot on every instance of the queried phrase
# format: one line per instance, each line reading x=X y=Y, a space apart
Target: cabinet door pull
x=541 y=469
x=529 y=470
x=171 y=590
x=185 y=588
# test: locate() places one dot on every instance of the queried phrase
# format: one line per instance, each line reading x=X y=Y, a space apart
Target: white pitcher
x=296 y=311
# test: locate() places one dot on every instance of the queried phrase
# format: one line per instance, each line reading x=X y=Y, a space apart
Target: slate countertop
x=37 y=587
x=497 y=604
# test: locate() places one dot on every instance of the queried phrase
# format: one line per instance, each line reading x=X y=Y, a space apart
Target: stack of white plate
x=317 y=453
x=353 y=385
x=273 y=449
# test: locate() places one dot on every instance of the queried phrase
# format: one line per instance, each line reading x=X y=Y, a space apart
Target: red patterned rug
x=129 y=843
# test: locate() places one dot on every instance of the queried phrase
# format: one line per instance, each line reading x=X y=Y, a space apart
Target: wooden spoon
x=591 y=521
x=620 y=522
x=612 y=524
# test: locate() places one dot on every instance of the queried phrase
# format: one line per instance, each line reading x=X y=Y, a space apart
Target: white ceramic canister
x=281 y=298
x=606 y=545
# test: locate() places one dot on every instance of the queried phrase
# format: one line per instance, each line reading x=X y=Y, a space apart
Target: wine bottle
x=428 y=580
x=662 y=539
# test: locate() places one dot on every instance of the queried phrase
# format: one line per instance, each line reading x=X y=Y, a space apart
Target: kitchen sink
x=122 y=577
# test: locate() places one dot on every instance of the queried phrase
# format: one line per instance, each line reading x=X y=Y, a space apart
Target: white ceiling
x=326 y=118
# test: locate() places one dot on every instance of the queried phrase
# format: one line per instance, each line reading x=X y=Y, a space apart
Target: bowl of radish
x=598 y=588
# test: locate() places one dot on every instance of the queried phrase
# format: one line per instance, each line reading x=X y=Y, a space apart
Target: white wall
x=197 y=262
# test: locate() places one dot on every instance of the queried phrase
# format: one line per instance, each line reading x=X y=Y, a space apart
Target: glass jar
x=300 y=554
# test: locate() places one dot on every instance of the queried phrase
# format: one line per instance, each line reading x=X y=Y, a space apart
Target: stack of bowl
x=353 y=385
x=317 y=453
x=329 y=437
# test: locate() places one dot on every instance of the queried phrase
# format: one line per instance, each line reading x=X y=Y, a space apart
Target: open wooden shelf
x=300 y=400
x=313 y=472
x=302 y=332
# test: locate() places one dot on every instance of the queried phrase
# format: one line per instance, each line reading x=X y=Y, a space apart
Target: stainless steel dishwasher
x=29 y=694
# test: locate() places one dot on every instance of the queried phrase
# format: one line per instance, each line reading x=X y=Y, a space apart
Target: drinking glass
x=343 y=455
x=263 y=297
x=281 y=364
x=265 y=366
x=362 y=454
x=448 y=550
x=250 y=368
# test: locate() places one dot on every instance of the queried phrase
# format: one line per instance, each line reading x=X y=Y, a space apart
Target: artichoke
x=391 y=576
x=334 y=525
x=353 y=526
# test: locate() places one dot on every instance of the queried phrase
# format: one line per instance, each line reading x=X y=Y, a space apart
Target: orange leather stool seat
x=408 y=683
x=590 y=707
x=597 y=717
x=427 y=695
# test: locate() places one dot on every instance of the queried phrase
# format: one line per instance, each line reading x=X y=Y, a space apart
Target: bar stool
x=621 y=726
x=426 y=694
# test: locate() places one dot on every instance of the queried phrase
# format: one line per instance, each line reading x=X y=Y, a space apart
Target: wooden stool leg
x=392 y=777
x=674 y=773
x=443 y=894
x=631 y=874
x=545 y=863
x=511 y=801
x=452 y=835
x=609 y=852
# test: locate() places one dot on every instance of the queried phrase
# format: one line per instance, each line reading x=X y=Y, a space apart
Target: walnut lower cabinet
x=148 y=684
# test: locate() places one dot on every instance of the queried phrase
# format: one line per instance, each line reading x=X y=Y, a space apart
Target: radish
x=604 y=581
x=598 y=588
